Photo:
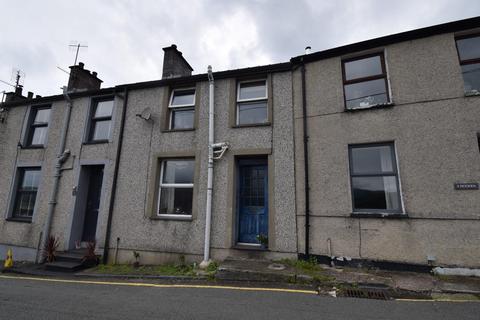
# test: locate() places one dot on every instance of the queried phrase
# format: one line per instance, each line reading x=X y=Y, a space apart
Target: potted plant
x=263 y=239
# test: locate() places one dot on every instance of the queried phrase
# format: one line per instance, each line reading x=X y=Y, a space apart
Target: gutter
x=305 y=164
x=115 y=178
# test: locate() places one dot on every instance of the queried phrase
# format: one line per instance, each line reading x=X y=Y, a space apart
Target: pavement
x=27 y=297
x=349 y=282
x=399 y=284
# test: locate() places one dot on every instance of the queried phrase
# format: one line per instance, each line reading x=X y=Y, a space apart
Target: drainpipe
x=108 y=231
x=208 y=213
x=305 y=164
x=61 y=158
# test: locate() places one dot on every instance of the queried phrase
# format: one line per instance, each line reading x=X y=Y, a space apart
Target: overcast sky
x=125 y=38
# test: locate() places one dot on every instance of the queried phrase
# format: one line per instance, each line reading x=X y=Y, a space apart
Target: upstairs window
x=365 y=82
x=101 y=121
x=252 y=100
x=26 y=193
x=38 y=127
x=182 y=109
x=469 y=55
x=374 y=178
x=175 y=195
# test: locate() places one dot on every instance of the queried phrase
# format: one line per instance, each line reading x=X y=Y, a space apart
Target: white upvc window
x=175 y=194
x=252 y=102
x=182 y=109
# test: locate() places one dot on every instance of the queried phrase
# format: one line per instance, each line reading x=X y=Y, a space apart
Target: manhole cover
x=276 y=266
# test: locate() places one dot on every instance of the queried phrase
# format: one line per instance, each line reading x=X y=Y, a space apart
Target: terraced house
x=366 y=153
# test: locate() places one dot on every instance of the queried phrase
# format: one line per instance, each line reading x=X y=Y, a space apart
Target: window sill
x=383 y=215
x=96 y=142
x=374 y=106
x=266 y=124
x=472 y=93
x=252 y=247
x=175 y=217
x=21 y=220
x=33 y=147
x=178 y=130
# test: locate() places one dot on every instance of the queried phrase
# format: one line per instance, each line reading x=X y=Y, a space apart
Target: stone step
x=70 y=256
x=64 y=266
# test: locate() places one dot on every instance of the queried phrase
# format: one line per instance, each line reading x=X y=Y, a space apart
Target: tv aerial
x=16 y=79
x=76 y=46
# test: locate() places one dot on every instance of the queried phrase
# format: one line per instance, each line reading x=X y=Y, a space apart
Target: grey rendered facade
x=429 y=122
x=135 y=224
x=25 y=235
x=146 y=143
x=434 y=128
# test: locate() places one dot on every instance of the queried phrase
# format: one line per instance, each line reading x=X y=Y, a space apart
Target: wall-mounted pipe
x=61 y=158
x=208 y=210
x=108 y=230
x=305 y=162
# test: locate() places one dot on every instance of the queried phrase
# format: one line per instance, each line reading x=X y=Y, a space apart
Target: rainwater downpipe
x=108 y=230
x=61 y=158
x=305 y=164
x=208 y=211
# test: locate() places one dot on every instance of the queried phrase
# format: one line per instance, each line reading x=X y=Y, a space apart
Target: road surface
x=25 y=298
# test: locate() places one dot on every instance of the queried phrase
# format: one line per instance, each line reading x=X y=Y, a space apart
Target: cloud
x=125 y=38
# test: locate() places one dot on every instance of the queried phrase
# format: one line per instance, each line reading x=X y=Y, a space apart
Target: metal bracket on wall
x=219 y=149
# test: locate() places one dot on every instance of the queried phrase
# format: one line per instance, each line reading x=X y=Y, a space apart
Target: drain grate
x=365 y=294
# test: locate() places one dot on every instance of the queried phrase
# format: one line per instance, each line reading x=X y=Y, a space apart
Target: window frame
x=383 y=75
x=18 y=181
x=92 y=120
x=239 y=101
x=184 y=107
x=395 y=173
x=469 y=61
x=160 y=184
x=32 y=126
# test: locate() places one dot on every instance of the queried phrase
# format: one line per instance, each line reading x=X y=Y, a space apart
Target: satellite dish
x=146 y=114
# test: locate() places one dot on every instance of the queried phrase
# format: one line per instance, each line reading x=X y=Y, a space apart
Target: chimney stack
x=81 y=79
x=16 y=95
x=174 y=64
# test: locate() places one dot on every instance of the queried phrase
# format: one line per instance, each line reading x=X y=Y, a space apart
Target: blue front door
x=252 y=196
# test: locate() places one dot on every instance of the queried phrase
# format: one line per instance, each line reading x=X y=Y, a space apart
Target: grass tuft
x=164 y=270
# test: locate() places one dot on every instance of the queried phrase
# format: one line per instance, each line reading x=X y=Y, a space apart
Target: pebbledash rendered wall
x=434 y=127
x=135 y=225
x=23 y=237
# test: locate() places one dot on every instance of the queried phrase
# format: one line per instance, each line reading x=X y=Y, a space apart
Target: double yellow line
x=154 y=285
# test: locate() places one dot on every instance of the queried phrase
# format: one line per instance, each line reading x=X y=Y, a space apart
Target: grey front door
x=93 y=203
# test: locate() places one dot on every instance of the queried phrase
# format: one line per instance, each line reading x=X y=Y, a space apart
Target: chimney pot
x=30 y=95
x=81 y=65
x=18 y=90
x=94 y=74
